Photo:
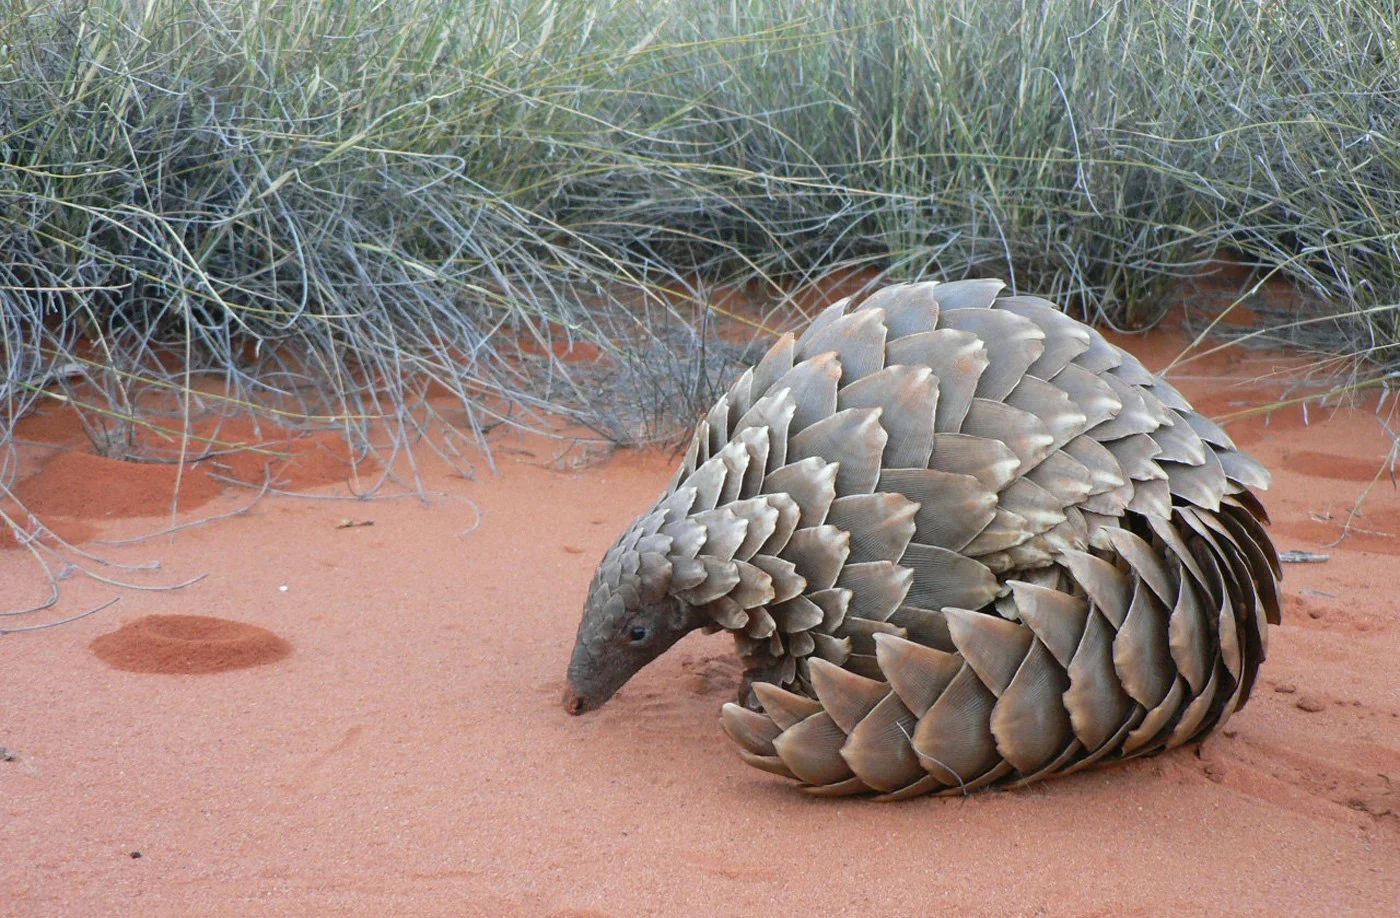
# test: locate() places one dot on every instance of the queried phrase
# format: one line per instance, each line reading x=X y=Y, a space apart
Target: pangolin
x=961 y=540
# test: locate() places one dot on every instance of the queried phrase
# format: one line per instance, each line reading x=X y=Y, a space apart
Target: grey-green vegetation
x=324 y=206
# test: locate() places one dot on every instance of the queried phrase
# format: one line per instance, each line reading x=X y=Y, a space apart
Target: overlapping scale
x=977 y=543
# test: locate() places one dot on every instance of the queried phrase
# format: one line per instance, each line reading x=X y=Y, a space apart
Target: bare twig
x=19 y=629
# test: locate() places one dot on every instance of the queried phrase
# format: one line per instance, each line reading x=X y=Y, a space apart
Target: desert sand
x=410 y=755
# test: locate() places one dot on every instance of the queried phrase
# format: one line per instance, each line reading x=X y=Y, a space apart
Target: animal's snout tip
x=574 y=703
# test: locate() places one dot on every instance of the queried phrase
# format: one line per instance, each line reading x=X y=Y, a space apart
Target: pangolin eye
x=637 y=633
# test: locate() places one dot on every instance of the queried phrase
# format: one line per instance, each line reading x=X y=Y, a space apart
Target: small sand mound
x=75 y=484
x=72 y=531
x=188 y=644
x=294 y=462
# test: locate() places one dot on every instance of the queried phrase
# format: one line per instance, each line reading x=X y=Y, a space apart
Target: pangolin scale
x=962 y=541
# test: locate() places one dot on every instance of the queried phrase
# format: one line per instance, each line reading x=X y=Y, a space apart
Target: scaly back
x=962 y=541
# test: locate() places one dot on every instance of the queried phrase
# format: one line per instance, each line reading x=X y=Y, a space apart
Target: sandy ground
x=411 y=754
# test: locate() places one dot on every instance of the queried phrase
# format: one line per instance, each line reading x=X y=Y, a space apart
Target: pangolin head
x=630 y=619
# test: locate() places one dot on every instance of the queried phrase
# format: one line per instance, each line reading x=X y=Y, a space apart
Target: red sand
x=412 y=757
x=188 y=644
x=70 y=487
x=569 y=349
x=86 y=486
x=69 y=530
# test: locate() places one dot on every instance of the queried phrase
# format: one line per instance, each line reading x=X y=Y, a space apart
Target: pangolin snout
x=576 y=703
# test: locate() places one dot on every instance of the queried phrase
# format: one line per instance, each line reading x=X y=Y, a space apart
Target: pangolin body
x=961 y=540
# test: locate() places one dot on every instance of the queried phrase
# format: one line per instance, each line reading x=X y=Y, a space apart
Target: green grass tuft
x=319 y=208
